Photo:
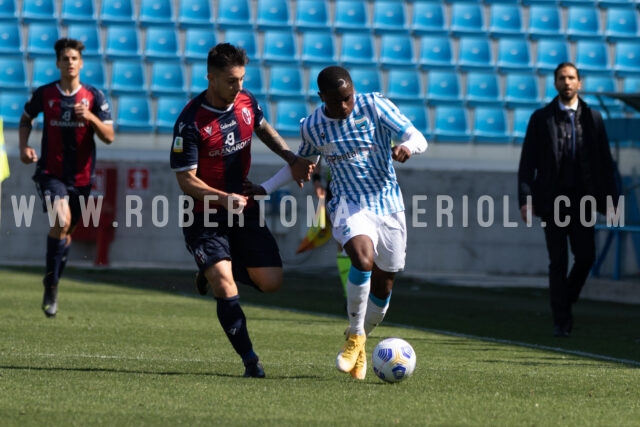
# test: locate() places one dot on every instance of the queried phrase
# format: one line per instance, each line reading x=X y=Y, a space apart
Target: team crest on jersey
x=208 y=130
x=85 y=102
x=246 y=115
x=177 y=144
x=51 y=102
x=361 y=122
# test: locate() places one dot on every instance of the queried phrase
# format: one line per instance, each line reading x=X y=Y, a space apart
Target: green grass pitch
x=140 y=348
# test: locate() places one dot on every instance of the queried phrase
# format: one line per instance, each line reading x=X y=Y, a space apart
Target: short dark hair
x=66 y=43
x=225 y=55
x=563 y=65
x=333 y=77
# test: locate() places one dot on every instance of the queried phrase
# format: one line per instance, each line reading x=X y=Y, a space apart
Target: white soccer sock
x=358 y=286
x=375 y=313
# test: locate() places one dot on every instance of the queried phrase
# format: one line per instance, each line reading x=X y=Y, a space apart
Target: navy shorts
x=48 y=186
x=248 y=246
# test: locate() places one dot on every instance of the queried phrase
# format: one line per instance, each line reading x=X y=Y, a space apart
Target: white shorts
x=387 y=232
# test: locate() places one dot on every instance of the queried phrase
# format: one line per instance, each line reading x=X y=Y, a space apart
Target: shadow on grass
x=519 y=315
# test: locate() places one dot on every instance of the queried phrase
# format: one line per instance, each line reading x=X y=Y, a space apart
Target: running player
x=211 y=156
x=73 y=113
x=353 y=133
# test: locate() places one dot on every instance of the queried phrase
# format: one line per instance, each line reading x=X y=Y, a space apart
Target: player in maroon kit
x=73 y=113
x=211 y=155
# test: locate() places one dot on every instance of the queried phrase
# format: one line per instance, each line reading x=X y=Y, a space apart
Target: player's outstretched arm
x=301 y=169
x=198 y=189
x=27 y=154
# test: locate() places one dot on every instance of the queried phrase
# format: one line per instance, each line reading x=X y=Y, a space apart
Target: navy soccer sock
x=65 y=256
x=234 y=324
x=55 y=253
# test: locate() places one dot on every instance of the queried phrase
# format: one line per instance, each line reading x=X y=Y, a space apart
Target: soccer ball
x=393 y=360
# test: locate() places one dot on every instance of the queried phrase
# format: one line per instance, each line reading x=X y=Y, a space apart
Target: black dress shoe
x=562 y=332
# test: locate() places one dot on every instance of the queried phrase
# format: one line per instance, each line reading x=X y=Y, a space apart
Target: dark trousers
x=564 y=290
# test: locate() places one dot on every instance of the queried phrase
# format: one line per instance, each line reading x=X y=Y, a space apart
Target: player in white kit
x=359 y=136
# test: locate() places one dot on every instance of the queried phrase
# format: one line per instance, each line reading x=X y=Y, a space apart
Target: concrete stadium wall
x=506 y=246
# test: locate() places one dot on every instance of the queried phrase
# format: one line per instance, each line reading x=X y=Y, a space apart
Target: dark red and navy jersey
x=215 y=142
x=68 y=148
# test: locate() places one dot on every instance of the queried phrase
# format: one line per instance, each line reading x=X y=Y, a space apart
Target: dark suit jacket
x=540 y=160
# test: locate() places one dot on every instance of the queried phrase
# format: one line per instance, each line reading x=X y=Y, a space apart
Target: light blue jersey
x=358 y=152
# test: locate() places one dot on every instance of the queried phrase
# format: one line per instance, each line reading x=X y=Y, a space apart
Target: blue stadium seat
x=273 y=14
x=443 y=87
x=501 y=1
x=44 y=71
x=429 y=18
x=550 y=91
x=8 y=11
x=545 y=21
x=358 y=49
x=195 y=13
x=451 y=124
x=161 y=43
x=89 y=34
x=167 y=78
x=627 y=58
x=312 y=15
x=513 y=55
x=418 y=114
x=245 y=38
x=39 y=11
x=474 y=53
x=631 y=84
x=312 y=82
x=318 y=47
x=490 y=125
x=520 y=120
x=593 y=85
x=618 y=3
x=41 y=38
x=83 y=11
x=436 y=53
x=366 y=79
x=583 y=23
x=288 y=114
x=569 y=3
x=117 y=12
x=285 y=81
x=234 y=14
x=122 y=42
x=12 y=107
x=389 y=16
x=397 y=51
x=592 y=57
x=254 y=80
x=10 y=38
x=128 y=76
x=156 y=12
x=551 y=52
x=621 y=24
x=405 y=85
x=351 y=15
x=482 y=89
x=197 y=78
x=93 y=73
x=505 y=20
x=197 y=42
x=168 y=108
x=133 y=114
x=521 y=90
x=13 y=73
x=467 y=19
x=279 y=47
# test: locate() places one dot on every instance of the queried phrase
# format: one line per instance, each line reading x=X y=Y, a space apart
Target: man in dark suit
x=565 y=163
